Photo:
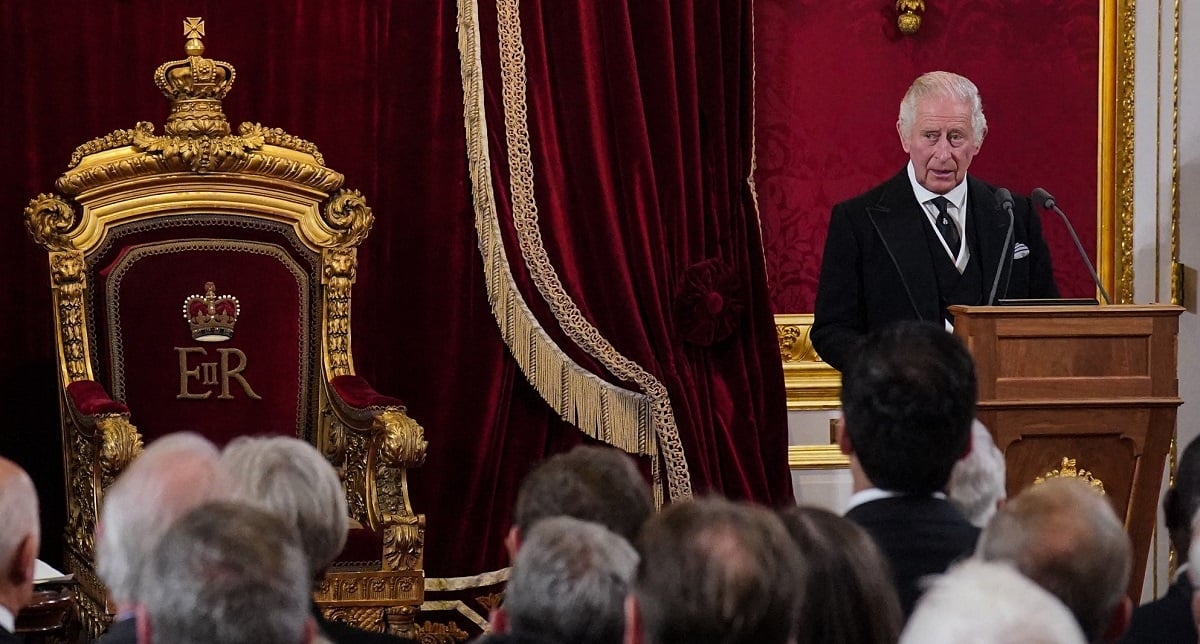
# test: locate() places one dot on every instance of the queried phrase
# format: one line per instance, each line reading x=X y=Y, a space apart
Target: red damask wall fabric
x=830 y=79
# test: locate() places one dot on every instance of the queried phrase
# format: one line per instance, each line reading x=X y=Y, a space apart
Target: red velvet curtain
x=640 y=128
x=641 y=177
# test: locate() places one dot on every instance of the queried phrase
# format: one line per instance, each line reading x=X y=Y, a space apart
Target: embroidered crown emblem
x=211 y=316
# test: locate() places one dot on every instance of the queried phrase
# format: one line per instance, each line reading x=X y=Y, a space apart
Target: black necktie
x=946 y=226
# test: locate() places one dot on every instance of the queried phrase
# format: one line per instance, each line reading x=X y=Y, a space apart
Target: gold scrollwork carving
x=348 y=214
x=111 y=141
x=794 y=343
x=48 y=218
x=440 y=633
x=366 y=618
x=338 y=273
x=200 y=152
x=403 y=543
x=1068 y=470
x=120 y=443
x=67 y=277
x=403 y=443
x=402 y=621
x=276 y=136
x=489 y=601
x=909 y=18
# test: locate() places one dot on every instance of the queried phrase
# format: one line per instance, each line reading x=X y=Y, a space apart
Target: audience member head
x=174 y=474
x=1194 y=571
x=714 y=571
x=226 y=572
x=20 y=532
x=1182 y=500
x=290 y=478
x=988 y=603
x=908 y=399
x=590 y=483
x=849 y=597
x=569 y=583
x=1065 y=536
x=977 y=481
x=941 y=127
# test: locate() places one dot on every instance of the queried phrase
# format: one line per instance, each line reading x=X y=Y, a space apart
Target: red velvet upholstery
x=174 y=382
x=364 y=549
x=90 y=398
x=357 y=392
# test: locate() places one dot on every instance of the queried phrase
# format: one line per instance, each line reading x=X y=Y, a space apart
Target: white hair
x=174 y=474
x=989 y=603
x=977 y=481
x=19 y=509
x=289 y=477
x=943 y=84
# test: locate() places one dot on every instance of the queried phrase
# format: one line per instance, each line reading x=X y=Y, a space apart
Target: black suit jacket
x=1164 y=621
x=8 y=638
x=919 y=536
x=122 y=631
x=878 y=267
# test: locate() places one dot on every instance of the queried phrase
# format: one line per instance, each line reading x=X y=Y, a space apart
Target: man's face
x=941 y=142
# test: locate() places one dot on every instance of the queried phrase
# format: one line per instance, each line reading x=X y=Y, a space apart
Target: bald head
x=19 y=534
x=173 y=475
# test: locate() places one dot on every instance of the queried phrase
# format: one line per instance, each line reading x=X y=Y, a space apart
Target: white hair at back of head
x=289 y=477
x=174 y=474
x=978 y=480
x=19 y=510
x=989 y=603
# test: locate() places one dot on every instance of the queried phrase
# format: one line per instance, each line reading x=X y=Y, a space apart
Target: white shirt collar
x=7 y=620
x=874 y=494
x=957 y=195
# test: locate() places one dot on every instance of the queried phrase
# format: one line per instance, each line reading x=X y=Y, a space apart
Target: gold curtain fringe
x=623 y=418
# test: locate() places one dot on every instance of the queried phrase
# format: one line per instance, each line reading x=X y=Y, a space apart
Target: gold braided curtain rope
x=610 y=413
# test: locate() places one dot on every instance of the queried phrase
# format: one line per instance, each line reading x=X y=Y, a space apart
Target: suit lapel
x=991 y=226
x=899 y=220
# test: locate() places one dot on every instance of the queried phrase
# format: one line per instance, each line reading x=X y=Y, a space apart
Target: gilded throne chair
x=201 y=281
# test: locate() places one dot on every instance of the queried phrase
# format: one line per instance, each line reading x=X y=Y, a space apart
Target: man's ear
x=843 y=438
x=498 y=620
x=512 y=542
x=1120 y=620
x=903 y=138
x=310 y=630
x=141 y=622
x=20 y=572
x=633 y=621
x=969 y=446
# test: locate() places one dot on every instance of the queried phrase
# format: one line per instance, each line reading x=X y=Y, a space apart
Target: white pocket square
x=1020 y=250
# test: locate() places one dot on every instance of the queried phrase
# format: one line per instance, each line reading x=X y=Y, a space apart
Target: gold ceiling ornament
x=909 y=18
x=1068 y=470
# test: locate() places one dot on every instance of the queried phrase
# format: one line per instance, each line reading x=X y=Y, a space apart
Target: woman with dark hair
x=847 y=585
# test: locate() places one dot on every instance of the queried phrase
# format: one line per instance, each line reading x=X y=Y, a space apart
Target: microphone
x=1046 y=201
x=1006 y=202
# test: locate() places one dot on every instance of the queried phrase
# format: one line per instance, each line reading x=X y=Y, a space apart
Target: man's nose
x=941 y=149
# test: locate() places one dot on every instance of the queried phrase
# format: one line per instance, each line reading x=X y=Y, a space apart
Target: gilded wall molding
x=811 y=384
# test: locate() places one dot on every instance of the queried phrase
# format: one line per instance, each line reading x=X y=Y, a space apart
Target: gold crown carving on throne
x=211 y=316
x=195 y=86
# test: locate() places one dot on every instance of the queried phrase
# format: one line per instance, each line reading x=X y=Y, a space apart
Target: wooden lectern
x=1085 y=391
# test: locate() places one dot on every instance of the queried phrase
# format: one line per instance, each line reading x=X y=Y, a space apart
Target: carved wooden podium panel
x=1084 y=391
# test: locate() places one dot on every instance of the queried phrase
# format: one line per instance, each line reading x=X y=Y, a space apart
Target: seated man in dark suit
x=908 y=401
x=19 y=539
x=1168 y=620
x=929 y=237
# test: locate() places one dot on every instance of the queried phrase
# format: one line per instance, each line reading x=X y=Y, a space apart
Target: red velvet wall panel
x=829 y=83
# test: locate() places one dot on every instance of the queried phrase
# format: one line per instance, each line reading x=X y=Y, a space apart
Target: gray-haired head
x=569 y=583
x=226 y=572
x=174 y=474
x=1066 y=537
x=943 y=84
x=19 y=534
x=289 y=477
x=989 y=603
x=592 y=483
x=977 y=483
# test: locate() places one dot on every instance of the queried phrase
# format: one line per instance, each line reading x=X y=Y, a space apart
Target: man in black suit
x=1168 y=620
x=19 y=538
x=929 y=237
x=908 y=401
